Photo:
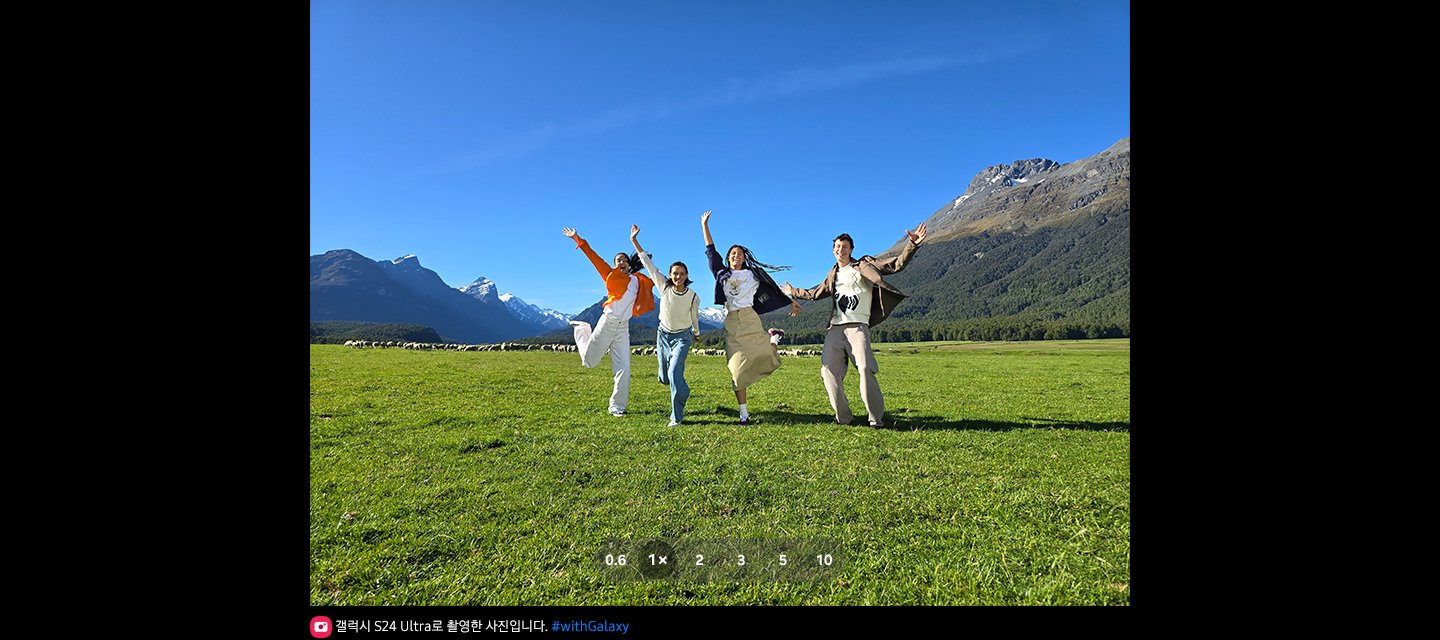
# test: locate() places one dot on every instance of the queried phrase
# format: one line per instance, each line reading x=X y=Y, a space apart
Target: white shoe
x=673 y=424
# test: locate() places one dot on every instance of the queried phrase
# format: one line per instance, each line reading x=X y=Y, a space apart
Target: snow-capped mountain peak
x=714 y=315
x=549 y=318
x=482 y=288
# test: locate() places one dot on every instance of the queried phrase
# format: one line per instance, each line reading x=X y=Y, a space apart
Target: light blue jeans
x=672 y=348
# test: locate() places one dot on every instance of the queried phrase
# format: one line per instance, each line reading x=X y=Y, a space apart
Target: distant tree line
x=338 y=331
x=1048 y=326
x=1008 y=329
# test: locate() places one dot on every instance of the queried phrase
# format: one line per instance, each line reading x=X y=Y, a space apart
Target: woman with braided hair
x=742 y=285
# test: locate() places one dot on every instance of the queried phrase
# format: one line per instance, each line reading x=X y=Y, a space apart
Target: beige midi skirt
x=748 y=348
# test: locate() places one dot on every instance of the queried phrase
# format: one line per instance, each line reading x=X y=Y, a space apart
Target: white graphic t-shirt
x=740 y=289
x=852 y=297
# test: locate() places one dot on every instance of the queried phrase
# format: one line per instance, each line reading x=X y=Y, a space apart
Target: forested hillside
x=338 y=331
x=1067 y=280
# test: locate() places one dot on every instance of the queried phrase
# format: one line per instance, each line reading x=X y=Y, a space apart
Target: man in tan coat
x=862 y=300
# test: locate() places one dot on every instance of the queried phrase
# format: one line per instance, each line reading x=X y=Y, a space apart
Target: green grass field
x=495 y=478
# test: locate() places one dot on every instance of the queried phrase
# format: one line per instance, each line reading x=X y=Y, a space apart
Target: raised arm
x=582 y=245
x=717 y=264
x=898 y=263
x=918 y=236
x=655 y=274
x=635 y=239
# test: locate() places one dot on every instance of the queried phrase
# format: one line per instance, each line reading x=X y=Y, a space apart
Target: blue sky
x=469 y=133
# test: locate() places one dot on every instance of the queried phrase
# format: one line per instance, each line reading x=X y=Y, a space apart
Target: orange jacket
x=617 y=281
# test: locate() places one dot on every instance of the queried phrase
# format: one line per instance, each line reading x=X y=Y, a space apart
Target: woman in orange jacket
x=627 y=295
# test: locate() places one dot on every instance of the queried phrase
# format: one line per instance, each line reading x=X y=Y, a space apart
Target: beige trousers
x=846 y=345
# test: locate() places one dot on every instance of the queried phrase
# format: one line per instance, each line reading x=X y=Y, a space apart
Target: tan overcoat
x=883 y=296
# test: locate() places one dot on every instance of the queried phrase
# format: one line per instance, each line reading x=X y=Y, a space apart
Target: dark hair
x=750 y=262
x=846 y=237
x=687 y=272
x=635 y=263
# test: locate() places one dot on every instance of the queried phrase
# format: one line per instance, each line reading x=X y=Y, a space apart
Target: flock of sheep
x=510 y=346
x=430 y=346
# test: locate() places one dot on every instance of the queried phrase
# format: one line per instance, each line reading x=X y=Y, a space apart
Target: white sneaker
x=673 y=424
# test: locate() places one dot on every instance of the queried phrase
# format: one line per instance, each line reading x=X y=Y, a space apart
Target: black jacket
x=767 y=298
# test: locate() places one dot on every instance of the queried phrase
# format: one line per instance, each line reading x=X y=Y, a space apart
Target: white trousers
x=612 y=336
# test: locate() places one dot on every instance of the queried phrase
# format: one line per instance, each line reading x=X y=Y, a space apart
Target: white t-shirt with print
x=740 y=289
x=852 y=297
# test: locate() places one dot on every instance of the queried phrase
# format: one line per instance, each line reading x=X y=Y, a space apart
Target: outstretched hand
x=788 y=290
x=569 y=233
x=705 y=228
x=634 y=230
x=795 y=308
x=918 y=236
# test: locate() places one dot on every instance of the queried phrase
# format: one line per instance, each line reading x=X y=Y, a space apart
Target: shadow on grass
x=907 y=422
x=731 y=415
x=902 y=420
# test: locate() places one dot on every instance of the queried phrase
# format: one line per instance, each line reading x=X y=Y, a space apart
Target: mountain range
x=345 y=285
x=1028 y=194
x=1035 y=240
x=486 y=291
